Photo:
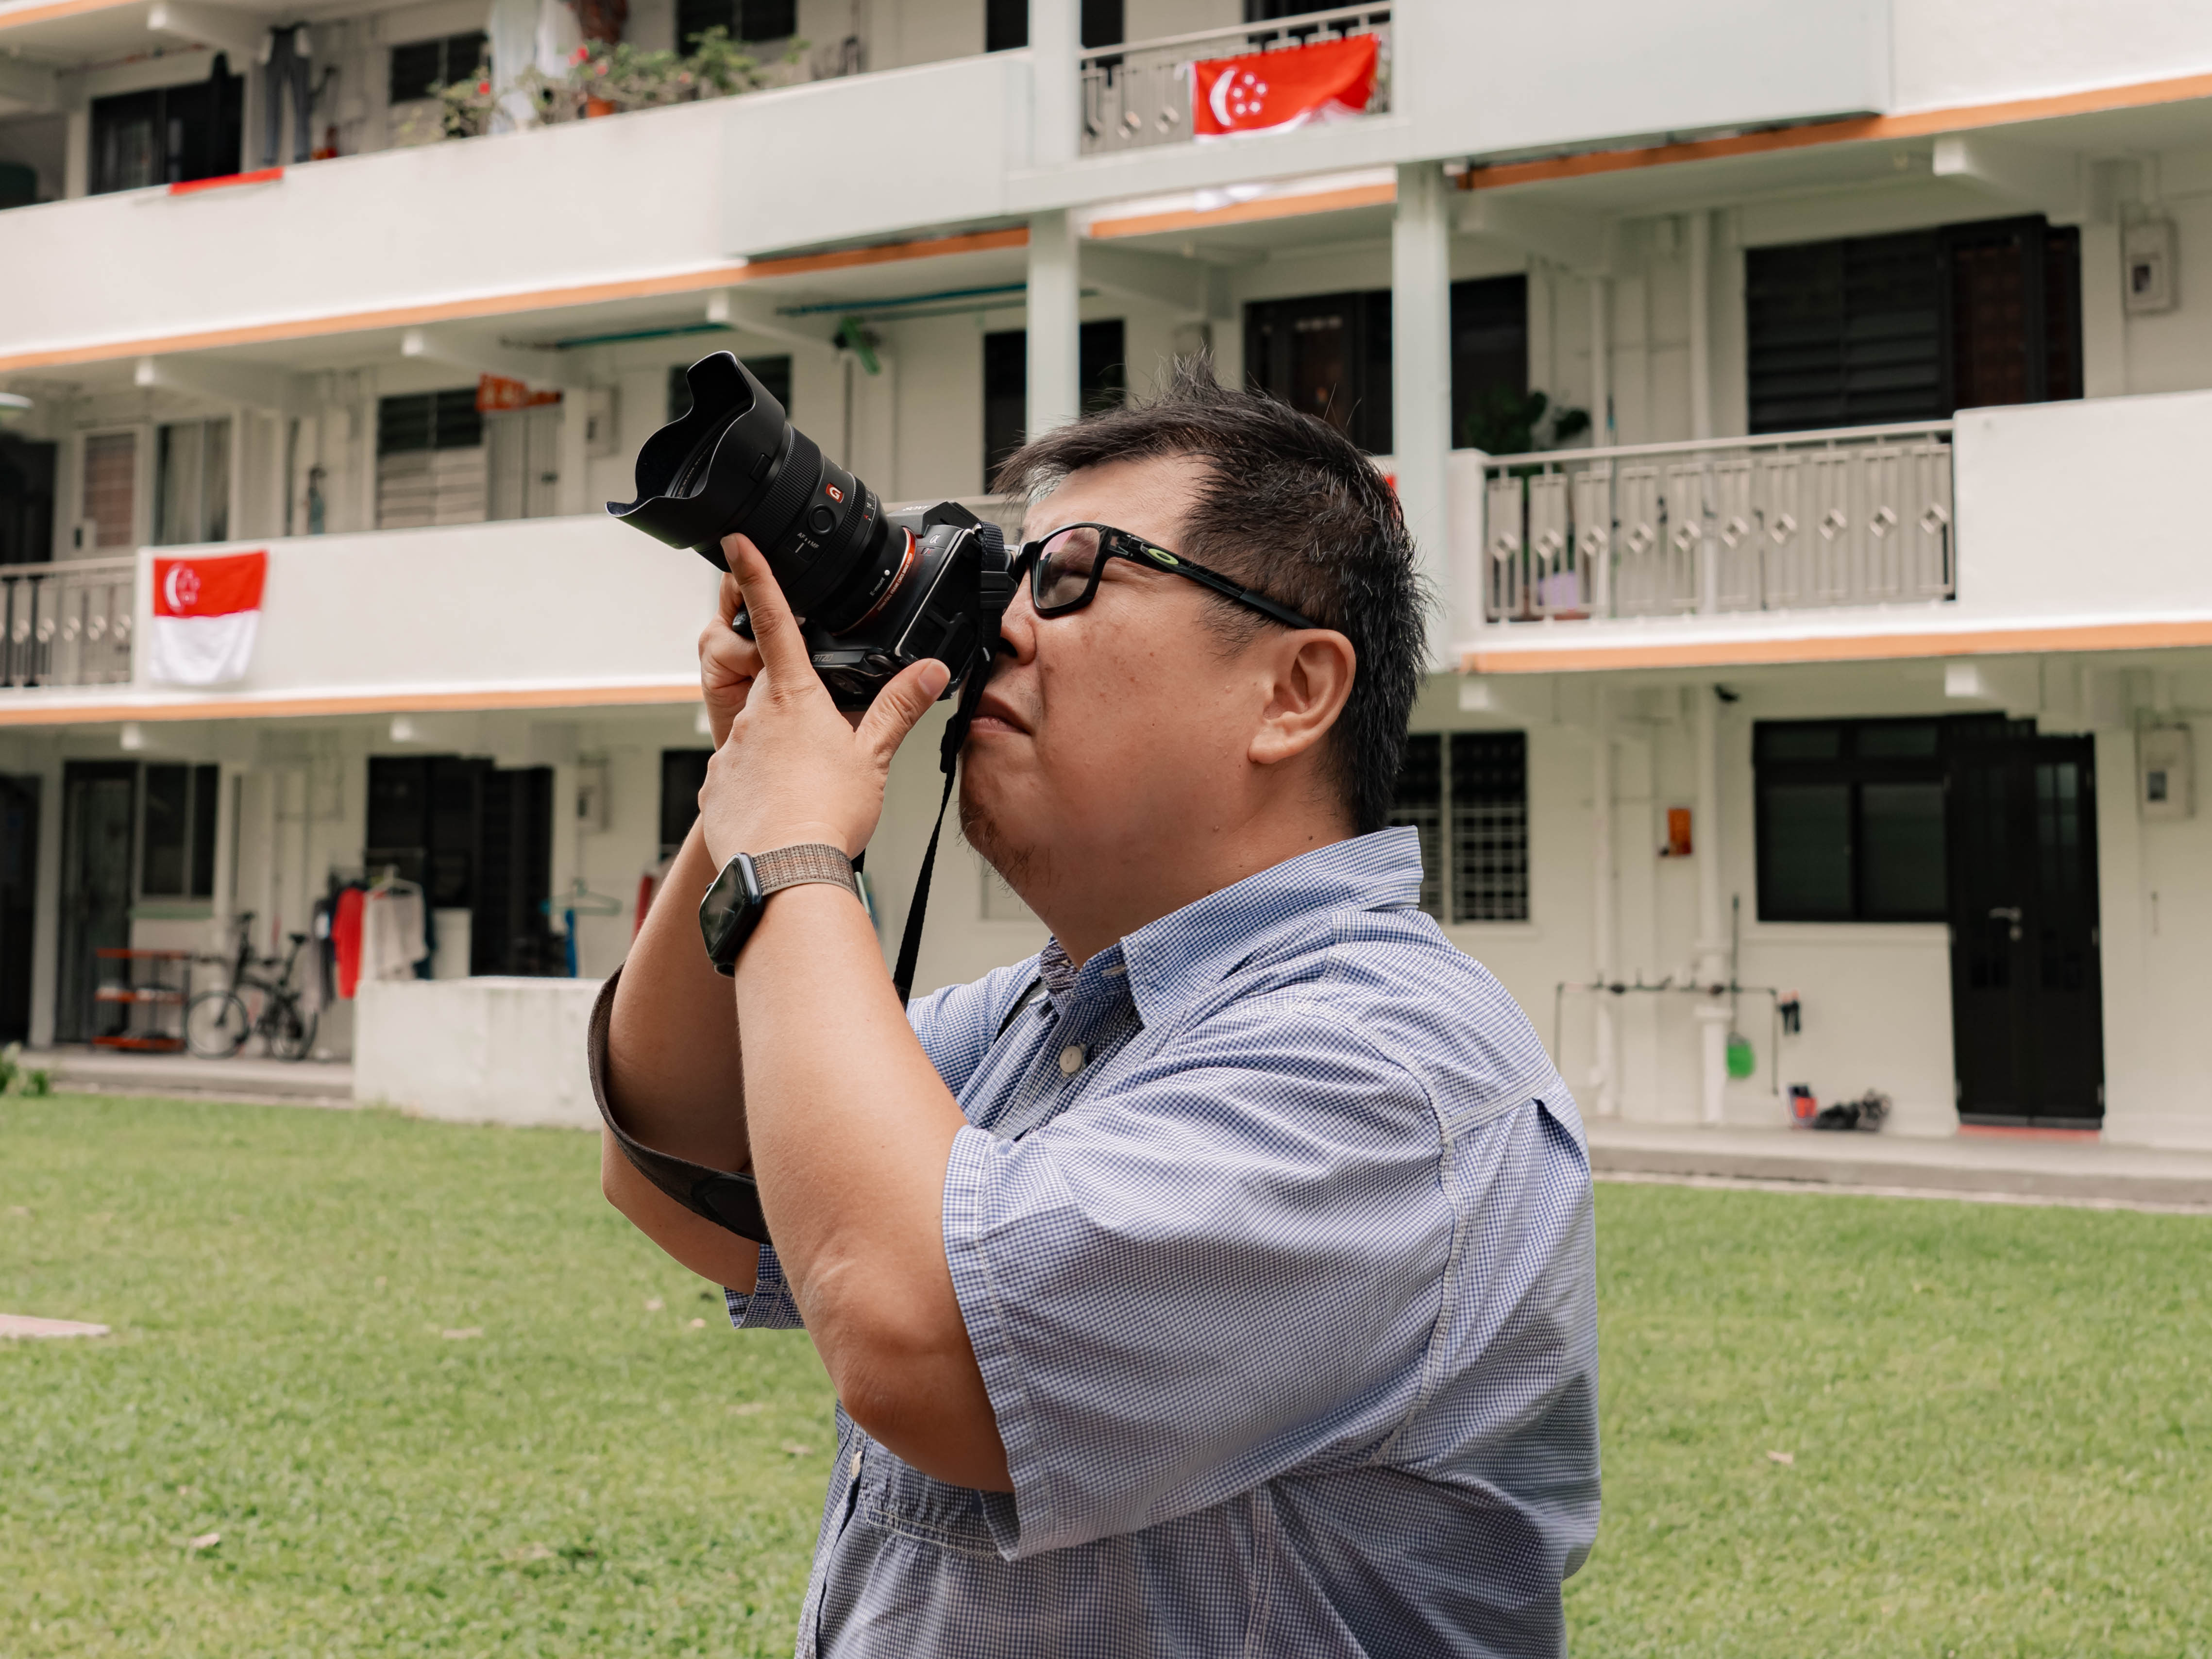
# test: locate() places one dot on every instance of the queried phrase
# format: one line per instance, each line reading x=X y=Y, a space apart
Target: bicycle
x=218 y=1023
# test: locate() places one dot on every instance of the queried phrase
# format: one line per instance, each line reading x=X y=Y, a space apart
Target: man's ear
x=1310 y=677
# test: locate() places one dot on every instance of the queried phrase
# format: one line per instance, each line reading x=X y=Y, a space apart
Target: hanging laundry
x=345 y=938
x=393 y=938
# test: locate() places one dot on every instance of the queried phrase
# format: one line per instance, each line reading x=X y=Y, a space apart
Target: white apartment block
x=1844 y=642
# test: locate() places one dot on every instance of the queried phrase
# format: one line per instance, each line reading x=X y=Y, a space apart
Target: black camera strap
x=955 y=734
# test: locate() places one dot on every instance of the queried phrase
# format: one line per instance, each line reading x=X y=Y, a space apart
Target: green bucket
x=1741 y=1062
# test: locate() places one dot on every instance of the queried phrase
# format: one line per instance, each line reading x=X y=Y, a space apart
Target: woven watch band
x=794 y=866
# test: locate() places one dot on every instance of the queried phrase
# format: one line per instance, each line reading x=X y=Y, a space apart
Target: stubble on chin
x=1014 y=865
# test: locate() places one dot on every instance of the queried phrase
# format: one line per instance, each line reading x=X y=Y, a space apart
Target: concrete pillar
x=46 y=901
x=1056 y=45
x=1712 y=1013
x=1699 y=231
x=1420 y=377
x=572 y=494
x=1604 y=1071
x=1600 y=349
x=1055 y=394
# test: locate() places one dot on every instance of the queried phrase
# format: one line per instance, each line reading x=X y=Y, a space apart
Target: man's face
x=1114 y=726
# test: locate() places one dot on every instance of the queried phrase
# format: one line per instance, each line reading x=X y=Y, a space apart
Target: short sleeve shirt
x=1272 y=1229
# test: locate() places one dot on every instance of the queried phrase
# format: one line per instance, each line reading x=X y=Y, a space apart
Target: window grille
x=1475 y=789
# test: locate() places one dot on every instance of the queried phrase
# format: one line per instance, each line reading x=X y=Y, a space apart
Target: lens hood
x=696 y=476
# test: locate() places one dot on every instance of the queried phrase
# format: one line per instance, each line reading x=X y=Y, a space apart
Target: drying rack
x=151 y=994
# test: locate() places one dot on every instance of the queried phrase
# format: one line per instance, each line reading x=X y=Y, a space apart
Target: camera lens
x=736 y=465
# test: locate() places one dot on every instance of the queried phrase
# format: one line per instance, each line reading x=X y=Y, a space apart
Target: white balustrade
x=67 y=623
x=1139 y=94
x=1859 y=515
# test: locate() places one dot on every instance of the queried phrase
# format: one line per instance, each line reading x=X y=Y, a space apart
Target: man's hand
x=787 y=766
x=729 y=663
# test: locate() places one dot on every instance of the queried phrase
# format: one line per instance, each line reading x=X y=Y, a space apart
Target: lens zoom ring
x=791 y=490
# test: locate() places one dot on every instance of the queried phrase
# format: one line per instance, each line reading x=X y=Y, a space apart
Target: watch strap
x=808 y=861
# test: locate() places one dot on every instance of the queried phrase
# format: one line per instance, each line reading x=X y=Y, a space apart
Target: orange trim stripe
x=15 y=19
x=1239 y=213
x=26 y=712
x=1857 y=648
x=1868 y=128
x=502 y=305
x=225 y=181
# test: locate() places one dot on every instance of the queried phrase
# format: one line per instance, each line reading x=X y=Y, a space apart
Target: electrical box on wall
x=2164 y=787
x=594 y=807
x=599 y=421
x=2147 y=258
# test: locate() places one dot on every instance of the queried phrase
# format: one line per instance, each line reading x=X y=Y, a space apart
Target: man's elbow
x=920 y=1394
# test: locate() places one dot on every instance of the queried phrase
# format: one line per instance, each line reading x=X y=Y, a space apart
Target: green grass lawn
x=1999 y=1419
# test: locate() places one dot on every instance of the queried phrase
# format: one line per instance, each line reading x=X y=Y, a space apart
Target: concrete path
x=2022 y=1167
x=14 y=1325
x=249 y=1078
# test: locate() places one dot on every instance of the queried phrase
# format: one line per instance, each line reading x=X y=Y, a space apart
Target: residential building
x=1830 y=631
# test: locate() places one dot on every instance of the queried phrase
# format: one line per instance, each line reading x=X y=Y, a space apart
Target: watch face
x=734 y=896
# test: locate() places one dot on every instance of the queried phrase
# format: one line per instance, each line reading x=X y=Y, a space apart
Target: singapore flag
x=205 y=611
x=1271 y=91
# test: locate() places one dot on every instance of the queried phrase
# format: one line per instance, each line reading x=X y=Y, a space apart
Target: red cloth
x=1267 y=91
x=345 y=940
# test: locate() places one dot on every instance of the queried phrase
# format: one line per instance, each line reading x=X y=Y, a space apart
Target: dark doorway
x=26 y=501
x=19 y=876
x=169 y=135
x=473 y=837
x=1912 y=326
x=2026 y=987
x=1327 y=355
x=100 y=812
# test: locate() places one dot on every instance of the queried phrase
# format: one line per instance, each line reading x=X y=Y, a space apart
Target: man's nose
x=1018 y=628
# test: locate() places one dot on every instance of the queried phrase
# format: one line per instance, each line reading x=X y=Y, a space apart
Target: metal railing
x=1138 y=94
x=1859 y=515
x=67 y=623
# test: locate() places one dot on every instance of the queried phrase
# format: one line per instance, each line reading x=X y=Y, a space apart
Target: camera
x=877 y=591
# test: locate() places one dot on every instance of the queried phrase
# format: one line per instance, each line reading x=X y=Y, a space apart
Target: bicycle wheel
x=291 y=1033
x=217 y=1025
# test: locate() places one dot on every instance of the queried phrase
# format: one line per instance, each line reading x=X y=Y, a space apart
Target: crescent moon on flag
x=169 y=587
x=1220 y=98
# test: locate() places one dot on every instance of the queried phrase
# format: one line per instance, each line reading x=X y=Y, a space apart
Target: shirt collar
x=1171 y=960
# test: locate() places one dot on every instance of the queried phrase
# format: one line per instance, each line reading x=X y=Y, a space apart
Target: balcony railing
x=1139 y=94
x=68 y=623
x=1859 y=515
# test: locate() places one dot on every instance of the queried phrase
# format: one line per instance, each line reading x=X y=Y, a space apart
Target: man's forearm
x=851 y=1128
x=675 y=1075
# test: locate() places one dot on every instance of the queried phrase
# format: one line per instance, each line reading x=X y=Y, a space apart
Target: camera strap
x=948 y=762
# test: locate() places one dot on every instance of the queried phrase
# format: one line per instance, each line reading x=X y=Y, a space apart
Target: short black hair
x=1297 y=513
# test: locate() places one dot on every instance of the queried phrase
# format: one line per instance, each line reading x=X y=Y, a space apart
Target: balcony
x=1135 y=96
x=67 y=624
x=1853 y=517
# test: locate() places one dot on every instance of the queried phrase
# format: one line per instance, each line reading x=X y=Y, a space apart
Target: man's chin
x=985 y=830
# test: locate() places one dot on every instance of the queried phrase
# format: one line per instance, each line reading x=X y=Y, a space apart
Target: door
x=19 y=875
x=100 y=802
x=2026 y=989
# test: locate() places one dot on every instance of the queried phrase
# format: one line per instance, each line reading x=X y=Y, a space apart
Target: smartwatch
x=732 y=907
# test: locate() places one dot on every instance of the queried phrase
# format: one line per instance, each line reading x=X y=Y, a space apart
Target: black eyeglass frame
x=1121 y=544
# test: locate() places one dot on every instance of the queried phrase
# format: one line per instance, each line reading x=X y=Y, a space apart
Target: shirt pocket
x=898 y=1499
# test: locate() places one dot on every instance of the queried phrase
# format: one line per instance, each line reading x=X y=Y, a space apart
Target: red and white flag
x=206 y=609
x=1273 y=91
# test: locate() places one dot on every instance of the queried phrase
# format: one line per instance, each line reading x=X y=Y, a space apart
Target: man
x=1219 y=1281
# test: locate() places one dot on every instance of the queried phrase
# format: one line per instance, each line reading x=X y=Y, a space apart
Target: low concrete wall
x=490 y=1050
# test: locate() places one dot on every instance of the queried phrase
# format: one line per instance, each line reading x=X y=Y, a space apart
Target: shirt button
x=1071 y=1060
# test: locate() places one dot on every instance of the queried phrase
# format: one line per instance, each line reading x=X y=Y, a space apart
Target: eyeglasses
x=1064 y=569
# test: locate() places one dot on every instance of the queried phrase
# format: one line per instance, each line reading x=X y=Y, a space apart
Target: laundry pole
x=1712 y=1011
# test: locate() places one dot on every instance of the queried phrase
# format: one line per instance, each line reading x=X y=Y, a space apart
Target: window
x=26 y=506
x=683 y=775
x=1007 y=24
x=1327 y=355
x=1912 y=327
x=192 y=482
x=745 y=20
x=168 y=135
x=111 y=487
x=1475 y=787
x=1850 y=820
x=1489 y=353
x=772 y=372
x=176 y=840
x=474 y=837
x=420 y=65
x=1102 y=374
x=430 y=459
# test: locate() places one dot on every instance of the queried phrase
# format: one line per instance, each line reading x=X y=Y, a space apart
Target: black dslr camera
x=878 y=590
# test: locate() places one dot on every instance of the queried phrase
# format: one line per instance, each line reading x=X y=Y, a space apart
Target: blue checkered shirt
x=1272 y=1229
